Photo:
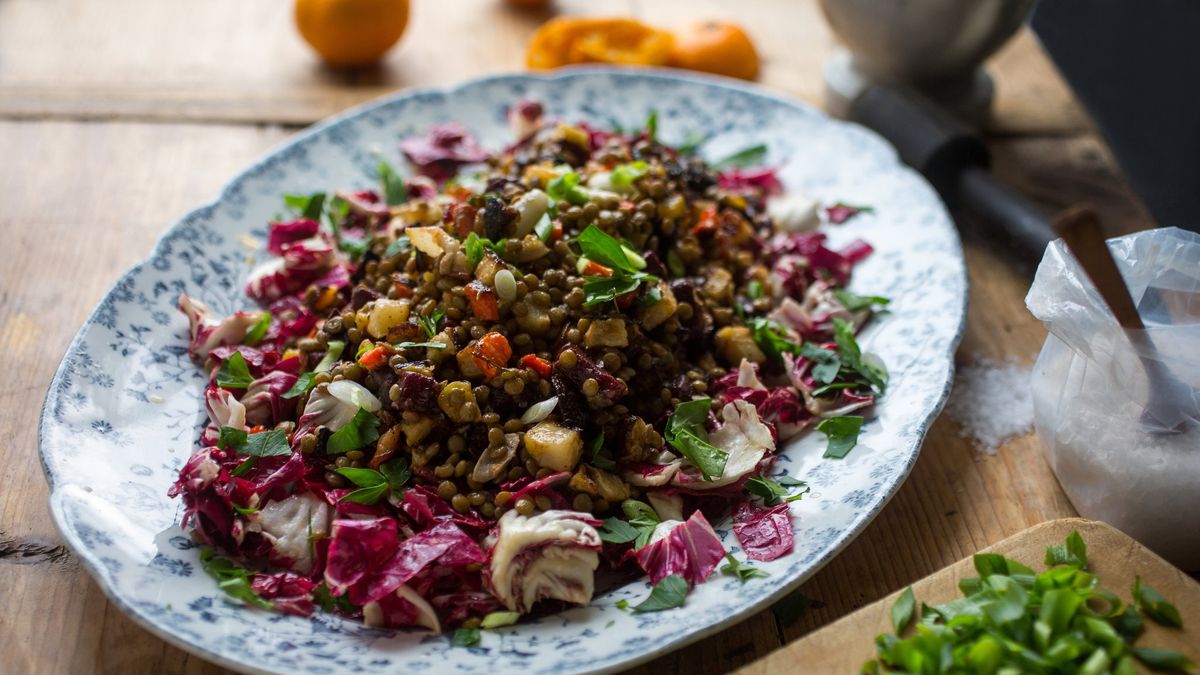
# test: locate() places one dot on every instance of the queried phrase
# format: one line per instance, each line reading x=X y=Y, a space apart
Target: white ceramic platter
x=125 y=407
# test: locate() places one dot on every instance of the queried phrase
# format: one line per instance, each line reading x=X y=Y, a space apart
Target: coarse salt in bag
x=1091 y=393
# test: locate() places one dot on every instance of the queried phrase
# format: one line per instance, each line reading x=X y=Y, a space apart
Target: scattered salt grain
x=992 y=403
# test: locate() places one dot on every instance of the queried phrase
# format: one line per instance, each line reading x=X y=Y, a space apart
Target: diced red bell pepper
x=707 y=221
x=538 y=365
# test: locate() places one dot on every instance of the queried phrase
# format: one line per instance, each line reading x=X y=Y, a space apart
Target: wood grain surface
x=117 y=116
x=1116 y=559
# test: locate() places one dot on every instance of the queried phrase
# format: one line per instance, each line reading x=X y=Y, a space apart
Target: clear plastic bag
x=1091 y=393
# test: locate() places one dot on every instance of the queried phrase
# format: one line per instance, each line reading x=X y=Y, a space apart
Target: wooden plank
x=88 y=203
x=99 y=194
x=244 y=62
x=1113 y=556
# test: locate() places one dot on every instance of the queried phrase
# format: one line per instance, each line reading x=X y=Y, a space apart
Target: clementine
x=718 y=47
x=351 y=32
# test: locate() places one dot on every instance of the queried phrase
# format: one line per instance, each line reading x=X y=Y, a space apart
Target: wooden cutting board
x=843 y=646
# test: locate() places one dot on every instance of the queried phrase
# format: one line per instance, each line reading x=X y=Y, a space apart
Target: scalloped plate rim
x=100 y=575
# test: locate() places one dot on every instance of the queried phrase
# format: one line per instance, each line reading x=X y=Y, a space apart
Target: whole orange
x=717 y=47
x=351 y=32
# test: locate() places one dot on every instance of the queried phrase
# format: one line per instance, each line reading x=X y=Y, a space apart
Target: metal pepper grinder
x=936 y=47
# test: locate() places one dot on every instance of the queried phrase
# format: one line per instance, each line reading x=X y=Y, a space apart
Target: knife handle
x=1025 y=223
x=927 y=139
x=954 y=159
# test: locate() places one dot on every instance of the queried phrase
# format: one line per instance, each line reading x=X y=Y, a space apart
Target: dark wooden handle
x=1079 y=227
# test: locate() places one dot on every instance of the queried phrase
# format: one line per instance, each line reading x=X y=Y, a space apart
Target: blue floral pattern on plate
x=125 y=407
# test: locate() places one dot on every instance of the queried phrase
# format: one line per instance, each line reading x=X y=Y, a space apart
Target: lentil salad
x=470 y=389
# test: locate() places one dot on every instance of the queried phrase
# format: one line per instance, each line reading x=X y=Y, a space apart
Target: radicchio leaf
x=443 y=149
x=367 y=560
x=288 y=592
x=763 y=178
x=264 y=402
x=281 y=235
x=206 y=333
x=690 y=549
x=549 y=555
x=764 y=533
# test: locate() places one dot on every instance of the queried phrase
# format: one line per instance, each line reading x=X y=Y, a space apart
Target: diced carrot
x=595 y=269
x=374 y=358
x=537 y=364
x=460 y=193
x=557 y=232
x=483 y=301
x=257 y=429
x=707 y=221
x=491 y=353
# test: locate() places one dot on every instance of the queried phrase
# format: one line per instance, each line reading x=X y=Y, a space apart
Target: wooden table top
x=117 y=117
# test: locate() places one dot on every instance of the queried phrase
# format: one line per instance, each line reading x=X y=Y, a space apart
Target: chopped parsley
x=668 y=593
x=362 y=429
x=399 y=245
x=625 y=264
x=234 y=580
x=772 y=338
x=872 y=372
x=686 y=433
x=307 y=206
x=775 y=491
x=749 y=156
x=234 y=373
x=692 y=141
x=429 y=324
x=842 y=433
x=465 y=637
x=598 y=457
x=375 y=485
x=743 y=571
x=394 y=190
x=855 y=303
x=825 y=363
x=273 y=443
x=639 y=528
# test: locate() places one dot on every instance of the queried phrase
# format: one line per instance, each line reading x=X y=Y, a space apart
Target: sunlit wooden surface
x=117 y=116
